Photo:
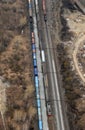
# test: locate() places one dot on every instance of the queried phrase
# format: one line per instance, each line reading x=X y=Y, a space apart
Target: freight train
x=36 y=81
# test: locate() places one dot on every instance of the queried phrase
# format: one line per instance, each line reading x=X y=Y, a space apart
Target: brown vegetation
x=74 y=87
x=16 y=66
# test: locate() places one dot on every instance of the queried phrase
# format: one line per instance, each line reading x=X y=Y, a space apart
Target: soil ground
x=72 y=37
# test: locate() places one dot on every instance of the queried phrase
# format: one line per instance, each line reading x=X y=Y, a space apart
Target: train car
x=35 y=63
x=37 y=9
x=31 y=19
x=30 y=11
x=39 y=114
x=43 y=55
x=36 y=81
x=40 y=125
x=31 y=27
x=34 y=55
x=33 y=48
x=36 y=3
x=44 y=9
x=30 y=7
x=33 y=38
x=32 y=34
x=38 y=103
x=36 y=71
x=37 y=93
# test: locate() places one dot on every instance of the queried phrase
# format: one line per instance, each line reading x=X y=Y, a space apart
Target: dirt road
x=77 y=44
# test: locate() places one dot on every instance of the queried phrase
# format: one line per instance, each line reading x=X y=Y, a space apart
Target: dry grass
x=29 y=91
x=16 y=66
x=19 y=115
x=31 y=112
x=23 y=21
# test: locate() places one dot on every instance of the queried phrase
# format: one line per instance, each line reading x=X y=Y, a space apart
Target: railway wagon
x=37 y=93
x=30 y=11
x=38 y=103
x=44 y=9
x=33 y=48
x=33 y=38
x=40 y=125
x=36 y=81
x=35 y=63
x=37 y=9
x=34 y=55
x=32 y=34
x=31 y=27
x=39 y=114
x=30 y=7
x=36 y=71
x=36 y=3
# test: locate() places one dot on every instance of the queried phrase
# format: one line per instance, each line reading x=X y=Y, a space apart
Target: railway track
x=54 y=93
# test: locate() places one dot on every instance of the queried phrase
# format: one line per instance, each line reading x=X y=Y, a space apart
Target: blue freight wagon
x=34 y=55
x=40 y=125
x=39 y=113
x=33 y=48
x=35 y=63
x=36 y=81
x=38 y=103
x=35 y=71
x=37 y=93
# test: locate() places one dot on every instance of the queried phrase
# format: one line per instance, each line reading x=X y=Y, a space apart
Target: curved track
x=75 y=57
